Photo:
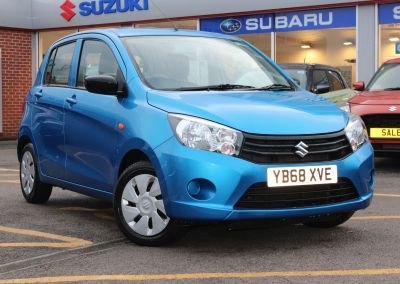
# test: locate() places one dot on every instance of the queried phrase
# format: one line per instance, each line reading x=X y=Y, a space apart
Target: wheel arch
x=137 y=150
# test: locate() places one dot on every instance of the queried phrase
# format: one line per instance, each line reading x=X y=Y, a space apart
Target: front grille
x=272 y=149
x=381 y=121
x=260 y=196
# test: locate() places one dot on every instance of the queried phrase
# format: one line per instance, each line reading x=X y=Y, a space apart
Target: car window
x=97 y=59
x=59 y=65
x=299 y=75
x=49 y=67
x=387 y=78
x=335 y=81
x=181 y=62
x=320 y=78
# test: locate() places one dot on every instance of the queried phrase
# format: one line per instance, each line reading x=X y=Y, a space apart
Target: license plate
x=292 y=176
x=385 y=133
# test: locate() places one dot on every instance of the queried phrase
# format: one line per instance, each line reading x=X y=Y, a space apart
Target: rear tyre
x=33 y=189
x=329 y=221
x=139 y=208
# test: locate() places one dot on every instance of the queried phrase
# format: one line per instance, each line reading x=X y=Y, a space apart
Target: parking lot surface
x=73 y=238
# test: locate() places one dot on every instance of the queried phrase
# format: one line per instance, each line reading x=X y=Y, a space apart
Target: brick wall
x=16 y=62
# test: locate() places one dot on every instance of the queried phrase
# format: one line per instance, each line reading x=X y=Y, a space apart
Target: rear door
x=92 y=119
x=48 y=115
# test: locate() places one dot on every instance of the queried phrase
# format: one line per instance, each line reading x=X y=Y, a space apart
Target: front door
x=91 y=122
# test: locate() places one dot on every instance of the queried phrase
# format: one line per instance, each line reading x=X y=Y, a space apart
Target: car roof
x=394 y=60
x=306 y=66
x=128 y=32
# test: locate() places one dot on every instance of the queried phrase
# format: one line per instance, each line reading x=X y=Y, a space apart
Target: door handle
x=39 y=94
x=71 y=100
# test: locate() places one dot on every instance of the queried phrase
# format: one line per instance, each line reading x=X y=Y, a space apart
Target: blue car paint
x=81 y=148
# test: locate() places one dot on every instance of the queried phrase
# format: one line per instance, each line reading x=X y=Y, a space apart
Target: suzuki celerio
x=176 y=127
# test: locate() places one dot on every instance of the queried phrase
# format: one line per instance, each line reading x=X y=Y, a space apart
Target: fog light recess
x=201 y=189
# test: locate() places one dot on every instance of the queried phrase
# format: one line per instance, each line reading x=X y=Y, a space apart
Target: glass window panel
x=96 y=59
x=389 y=37
x=62 y=64
x=335 y=81
x=333 y=47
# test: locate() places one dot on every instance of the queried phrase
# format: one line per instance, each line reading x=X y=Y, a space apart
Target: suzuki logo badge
x=301 y=149
x=68 y=13
x=392 y=108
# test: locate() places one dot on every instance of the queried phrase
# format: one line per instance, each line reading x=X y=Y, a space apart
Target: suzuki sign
x=100 y=7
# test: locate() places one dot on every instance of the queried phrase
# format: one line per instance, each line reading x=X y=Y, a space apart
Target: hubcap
x=27 y=172
x=143 y=207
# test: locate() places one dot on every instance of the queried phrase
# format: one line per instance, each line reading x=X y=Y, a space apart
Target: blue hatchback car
x=175 y=127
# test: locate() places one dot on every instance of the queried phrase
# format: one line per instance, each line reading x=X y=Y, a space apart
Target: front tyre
x=139 y=207
x=33 y=189
x=330 y=221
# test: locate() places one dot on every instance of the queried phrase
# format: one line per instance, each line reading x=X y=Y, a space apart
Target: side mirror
x=359 y=86
x=102 y=84
x=321 y=89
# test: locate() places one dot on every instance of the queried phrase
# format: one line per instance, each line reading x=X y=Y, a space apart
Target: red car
x=379 y=106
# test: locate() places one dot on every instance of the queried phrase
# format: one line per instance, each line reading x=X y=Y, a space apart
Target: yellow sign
x=385 y=133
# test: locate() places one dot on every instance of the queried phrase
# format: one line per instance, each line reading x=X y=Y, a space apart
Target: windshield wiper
x=275 y=87
x=392 y=89
x=220 y=87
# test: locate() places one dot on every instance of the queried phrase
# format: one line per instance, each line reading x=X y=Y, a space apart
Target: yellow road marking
x=374 y=217
x=197 y=276
x=387 y=194
x=8 y=170
x=9 y=181
x=65 y=242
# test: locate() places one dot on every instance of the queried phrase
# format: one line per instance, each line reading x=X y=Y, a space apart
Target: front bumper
x=229 y=178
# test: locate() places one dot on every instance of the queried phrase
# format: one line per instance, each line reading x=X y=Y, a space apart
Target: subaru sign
x=398 y=48
x=389 y=13
x=239 y=25
x=283 y=22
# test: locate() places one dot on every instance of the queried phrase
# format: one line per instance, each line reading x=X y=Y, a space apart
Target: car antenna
x=165 y=16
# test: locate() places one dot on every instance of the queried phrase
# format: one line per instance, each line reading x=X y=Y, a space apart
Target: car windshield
x=299 y=75
x=387 y=78
x=200 y=63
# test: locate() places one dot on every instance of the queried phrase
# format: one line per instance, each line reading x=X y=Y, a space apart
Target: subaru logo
x=301 y=149
x=392 y=108
x=230 y=26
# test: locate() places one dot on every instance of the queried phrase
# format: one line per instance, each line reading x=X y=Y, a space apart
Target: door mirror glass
x=359 y=86
x=102 y=84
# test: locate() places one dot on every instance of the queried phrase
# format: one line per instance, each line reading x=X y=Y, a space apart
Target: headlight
x=345 y=108
x=356 y=131
x=202 y=134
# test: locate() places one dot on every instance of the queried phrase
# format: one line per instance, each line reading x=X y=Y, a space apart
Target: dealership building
x=353 y=36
